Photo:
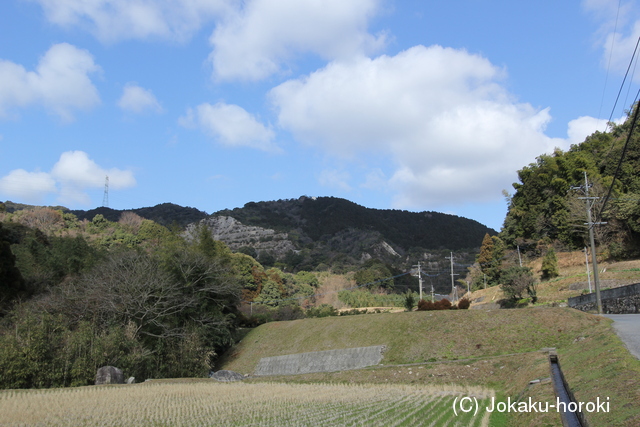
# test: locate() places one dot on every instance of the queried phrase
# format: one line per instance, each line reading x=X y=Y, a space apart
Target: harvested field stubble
x=239 y=404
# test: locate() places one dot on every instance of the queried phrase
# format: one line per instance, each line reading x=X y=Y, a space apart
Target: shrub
x=517 y=282
x=464 y=304
x=353 y=311
x=323 y=310
x=409 y=301
x=443 y=304
x=425 y=305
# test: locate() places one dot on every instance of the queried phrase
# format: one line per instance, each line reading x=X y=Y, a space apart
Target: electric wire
x=606 y=79
x=626 y=74
x=331 y=292
x=624 y=152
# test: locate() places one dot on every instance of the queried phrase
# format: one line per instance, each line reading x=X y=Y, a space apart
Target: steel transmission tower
x=105 y=198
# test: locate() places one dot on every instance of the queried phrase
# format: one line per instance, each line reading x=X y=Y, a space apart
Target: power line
x=332 y=292
x=606 y=79
x=624 y=152
x=626 y=74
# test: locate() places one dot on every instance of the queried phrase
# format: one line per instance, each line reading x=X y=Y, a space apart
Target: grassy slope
x=593 y=358
x=409 y=337
x=572 y=280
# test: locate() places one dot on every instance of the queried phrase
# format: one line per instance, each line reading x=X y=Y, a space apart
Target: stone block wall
x=622 y=300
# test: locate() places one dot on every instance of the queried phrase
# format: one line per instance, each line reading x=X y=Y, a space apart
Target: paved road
x=627 y=327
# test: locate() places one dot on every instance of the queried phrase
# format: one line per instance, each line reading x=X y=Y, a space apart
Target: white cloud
x=252 y=39
x=114 y=20
x=440 y=115
x=31 y=187
x=230 y=125
x=70 y=178
x=375 y=180
x=582 y=127
x=257 y=40
x=335 y=179
x=60 y=82
x=138 y=100
x=618 y=32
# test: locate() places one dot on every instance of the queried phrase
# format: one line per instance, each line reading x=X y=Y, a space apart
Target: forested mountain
x=317 y=218
x=549 y=202
x=308 y=232
x=167 y=214
x=316 y=233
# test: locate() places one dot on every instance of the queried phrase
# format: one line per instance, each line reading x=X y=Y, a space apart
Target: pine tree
x=550 y=265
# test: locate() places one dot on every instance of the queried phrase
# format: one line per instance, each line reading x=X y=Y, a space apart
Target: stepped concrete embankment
x=320 y=361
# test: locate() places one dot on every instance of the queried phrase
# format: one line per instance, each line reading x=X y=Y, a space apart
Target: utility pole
x=420 y=280
x=453 y=285
x=519 y=257
x=586 y=258
x=433 y=296
x=590 y=224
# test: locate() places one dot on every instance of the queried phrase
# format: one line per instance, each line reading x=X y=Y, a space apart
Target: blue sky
x=410 y=105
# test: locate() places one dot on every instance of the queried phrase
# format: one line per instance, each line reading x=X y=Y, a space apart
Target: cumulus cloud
x=251 y=40
x=60 y=82
x=255 y=41
x=440 y=115
x=114 y=20
x=31 y=187
x=230 y=125
x=618 y=33
x=70 y=178
x=136 y=99
x=582 y=127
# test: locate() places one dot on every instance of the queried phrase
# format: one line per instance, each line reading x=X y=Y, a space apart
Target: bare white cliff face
x=236 y=235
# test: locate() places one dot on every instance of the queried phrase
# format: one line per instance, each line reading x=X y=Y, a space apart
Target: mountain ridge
x=313 y=233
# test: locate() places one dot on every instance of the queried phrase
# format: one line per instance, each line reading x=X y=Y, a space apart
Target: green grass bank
x=500 y=349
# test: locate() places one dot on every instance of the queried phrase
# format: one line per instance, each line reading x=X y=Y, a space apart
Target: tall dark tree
x=550 y=265
x=490 y=258
x=11 y=282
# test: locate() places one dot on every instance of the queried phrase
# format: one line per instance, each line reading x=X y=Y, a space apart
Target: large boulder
x=226 y=376
x=109 y=375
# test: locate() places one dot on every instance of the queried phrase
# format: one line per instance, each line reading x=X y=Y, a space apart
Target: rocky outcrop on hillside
x=236 y=235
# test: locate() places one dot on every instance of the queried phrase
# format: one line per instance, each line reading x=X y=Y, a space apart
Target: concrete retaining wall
x=320 y=361
x=622 y=300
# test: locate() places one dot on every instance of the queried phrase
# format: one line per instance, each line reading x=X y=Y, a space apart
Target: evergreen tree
x=11 y=281
x=490 y=258
x=550 y=265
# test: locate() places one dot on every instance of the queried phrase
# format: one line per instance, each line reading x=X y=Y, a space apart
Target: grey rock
x=226 y=376
x=109 y=375
x=236 y=235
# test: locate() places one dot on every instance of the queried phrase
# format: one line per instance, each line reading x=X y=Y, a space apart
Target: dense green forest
x=549 y=204
x=77 y=295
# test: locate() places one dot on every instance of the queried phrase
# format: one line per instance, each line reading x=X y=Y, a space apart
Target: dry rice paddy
x=207 y=403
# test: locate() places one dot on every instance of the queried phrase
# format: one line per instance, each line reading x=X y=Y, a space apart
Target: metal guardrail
x=564 y=395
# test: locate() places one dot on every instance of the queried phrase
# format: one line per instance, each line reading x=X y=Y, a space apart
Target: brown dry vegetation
x=330 y=285
x=571 y=282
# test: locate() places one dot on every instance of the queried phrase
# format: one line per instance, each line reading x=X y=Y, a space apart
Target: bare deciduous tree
x=45 y=219
x=131 y=221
